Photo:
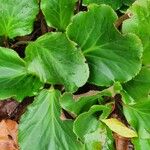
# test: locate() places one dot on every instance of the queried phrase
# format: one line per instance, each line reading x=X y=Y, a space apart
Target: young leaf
x=14 y=78
x=110 y=55
x=139 y=24
x=41 y=127
x=17 y=17
x=101 y=139
x=139 y=87
x=114 y=4
x=56 y=60
x=81 y=104
x=77 y=104
x=119 y=128
x=138 y=117
x=58 y=12
x=88 y=122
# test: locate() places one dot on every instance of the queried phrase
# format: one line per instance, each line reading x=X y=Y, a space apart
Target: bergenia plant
x=85 y=65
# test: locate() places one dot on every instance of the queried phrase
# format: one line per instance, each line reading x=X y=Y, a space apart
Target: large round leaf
x=17 y=17
x=139 y=24
x=41 y=127
x=58 y=12
x=110 y=55
x=115 y=4
x=14 y=77
x=56 y=60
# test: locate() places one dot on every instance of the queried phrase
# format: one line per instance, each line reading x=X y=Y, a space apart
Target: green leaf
x=138 y=116
x=119 y=128
x=17 y=17
x=88 y=122
x=58 y=13
x=127 y=99
x=93 y=145
x=139 y=87
x=56 y=60
x=106 y=50
x=141 y=144
x=76 y=104
x=41 y=128
x=128 y=2
x=114 y=4
x=101 y=139
x=139 y=24
x=15 y=81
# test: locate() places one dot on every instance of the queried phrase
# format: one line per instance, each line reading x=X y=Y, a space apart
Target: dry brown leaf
x=8 y=135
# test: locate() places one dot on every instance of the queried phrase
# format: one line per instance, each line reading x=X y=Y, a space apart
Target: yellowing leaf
x=119 y=128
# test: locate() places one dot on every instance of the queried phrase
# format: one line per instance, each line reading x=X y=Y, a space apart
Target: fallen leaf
x=8 y=135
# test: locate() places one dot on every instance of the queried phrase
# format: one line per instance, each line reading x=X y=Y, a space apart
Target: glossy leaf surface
x=138 y=115
x=17 y=17
x=15 y=80
x=114 y=4
x=106 y=50
x=58 y=13
x=139 y=24
x=139 y=87
x=90 y=119
x=56 y=60
x=42 y=120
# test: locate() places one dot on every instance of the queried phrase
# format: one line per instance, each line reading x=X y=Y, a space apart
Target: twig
x=19 y=43
x=121 y=142
x=34 y=33
x=90 y=93
x=6 y=43
x=43 y=23
x=79 y=6
x=120 y=20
